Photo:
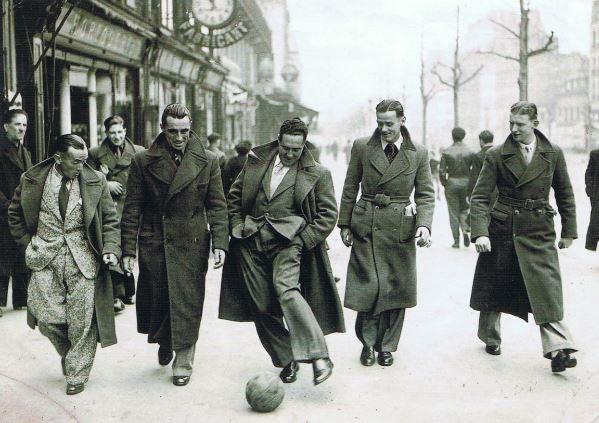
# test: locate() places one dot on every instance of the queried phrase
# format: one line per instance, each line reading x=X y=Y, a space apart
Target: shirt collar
x=532 y=145
x=397 y=143
x=278 y=162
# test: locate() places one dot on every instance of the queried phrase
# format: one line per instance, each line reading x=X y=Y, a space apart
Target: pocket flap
x=499 y=215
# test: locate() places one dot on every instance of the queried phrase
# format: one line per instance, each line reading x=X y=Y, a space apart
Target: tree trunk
x=424 y=110
x=456 y=112
x=523 y=75
x=456 y=76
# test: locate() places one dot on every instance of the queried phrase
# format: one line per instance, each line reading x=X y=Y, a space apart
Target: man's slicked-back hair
x=458 y=134
x=389 y=105
x=11 y=113
x=524 y=108
x=486 y=136
x=113 y=120
x=65 y=141
x=294 y=126
x=175 y=110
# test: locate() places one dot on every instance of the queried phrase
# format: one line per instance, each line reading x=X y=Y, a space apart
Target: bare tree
x=458 y=79
x=425 y=94
x=524 y=52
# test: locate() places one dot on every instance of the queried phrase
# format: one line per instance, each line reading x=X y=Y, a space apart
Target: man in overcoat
x=454 y=174
x=485 y=139
x=281 y=210
x=234 y=165
x=14 y=160
x=174 y=190
x=518 y=270
x=591 y=179
x=113 y=158
x=381 y=227
x=63 y=217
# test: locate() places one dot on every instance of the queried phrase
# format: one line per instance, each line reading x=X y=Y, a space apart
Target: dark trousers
x=271 y=269
x=456 y=192
x=381 y=331
x=19 y=289
x=123 y=286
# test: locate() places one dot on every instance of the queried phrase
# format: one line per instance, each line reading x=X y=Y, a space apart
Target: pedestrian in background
x=454 y=174
x=234 y=165
x=382 y=227
x=518 y=269
x=14 y=160
x=113 y=158
x=591 y=179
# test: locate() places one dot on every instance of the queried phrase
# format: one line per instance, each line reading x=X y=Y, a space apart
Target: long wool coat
x=11 y=169
x=381 y=274
x=166 y=212
x=521 y=272
x=101 y=223
x=314 y=191
x=591 y=179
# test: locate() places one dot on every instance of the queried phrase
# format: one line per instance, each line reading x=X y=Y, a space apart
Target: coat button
x=516 y=211
x=376 y=207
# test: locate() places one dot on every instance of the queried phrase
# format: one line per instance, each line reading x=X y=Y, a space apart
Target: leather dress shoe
x=129 y=300
x=493 y=349
x=367 y=356
x=455 y=245
x=75 y=389
x=181 y=380
x=466 y=240
x=562 y=361
x=165 y=355
x=118 y=305
x=289 y=372
x=323 y=369
x=385 y=358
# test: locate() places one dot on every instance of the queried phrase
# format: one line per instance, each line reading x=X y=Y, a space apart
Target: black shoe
x=118 y=305
x=165 y=355
x=493 y=349
x=181 y=380
x=455 y=245
x=385 y=358
x=323 y=369
x=75 y=389
x=289 y=372
x=367 y=356
x=562 y=361
x=466 y=240
x=129 y=300
x=337 y=279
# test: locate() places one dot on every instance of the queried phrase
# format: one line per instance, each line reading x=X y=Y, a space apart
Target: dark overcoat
x=101 y=225
x=591 y=179
x=166 y=215
x=521 y=272
x=381 y=273
x=314 y=192
x=12 y=167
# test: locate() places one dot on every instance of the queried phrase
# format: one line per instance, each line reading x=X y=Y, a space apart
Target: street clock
x=213 y=13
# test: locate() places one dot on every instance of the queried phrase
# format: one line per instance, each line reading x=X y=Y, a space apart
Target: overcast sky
x=353 y=50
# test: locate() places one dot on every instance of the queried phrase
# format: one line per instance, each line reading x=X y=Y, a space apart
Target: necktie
x=528 y=150
x=276 y=178
x=390 y=152
x=177 y=157
x=63 y=197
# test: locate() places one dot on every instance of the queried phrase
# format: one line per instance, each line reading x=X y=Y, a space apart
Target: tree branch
x=441 y=80
x=508 y=29
x=546 y=47
x=465 y=81
x=493 y=53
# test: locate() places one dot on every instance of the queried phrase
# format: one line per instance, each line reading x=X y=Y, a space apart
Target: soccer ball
x=264 y=392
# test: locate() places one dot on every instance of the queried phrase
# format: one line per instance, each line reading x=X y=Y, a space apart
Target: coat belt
x=383 y=200
x=528 y=203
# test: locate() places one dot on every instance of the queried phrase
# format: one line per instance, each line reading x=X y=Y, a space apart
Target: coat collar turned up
x=404 y=160
x=513 y=160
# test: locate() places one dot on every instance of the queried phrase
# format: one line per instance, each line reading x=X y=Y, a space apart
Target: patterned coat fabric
x=381 y=273
x=11 y=169
x=90 y=229
x=166 y=213
x=521 y=272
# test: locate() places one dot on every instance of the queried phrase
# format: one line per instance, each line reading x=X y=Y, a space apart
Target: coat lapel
x=287 y=182
x=106 y=156
x=512 y=159
x=257 y=164
x=376 y=154
x=12 y=155
x=539 y=163
x=194 y=160
x=90 y=190
x=32 y=192
x=306 y=177
x=404 y=160
x=160 y=164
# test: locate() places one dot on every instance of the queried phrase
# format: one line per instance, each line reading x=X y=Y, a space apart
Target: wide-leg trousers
x=381 y=331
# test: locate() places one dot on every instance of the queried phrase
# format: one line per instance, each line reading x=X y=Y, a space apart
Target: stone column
x=93 y=108
x=65 y=102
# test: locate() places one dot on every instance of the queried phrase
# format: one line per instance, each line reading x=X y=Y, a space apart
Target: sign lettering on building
x=217 y=26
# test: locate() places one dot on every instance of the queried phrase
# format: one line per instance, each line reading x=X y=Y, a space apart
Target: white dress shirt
x=279 y=170
x=528 y=150
x=55 y=180
x=397 y=143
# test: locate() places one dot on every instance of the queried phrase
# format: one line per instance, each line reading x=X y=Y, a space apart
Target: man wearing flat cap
x=62 y=215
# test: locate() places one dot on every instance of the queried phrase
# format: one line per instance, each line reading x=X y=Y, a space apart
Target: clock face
x=213 y=13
